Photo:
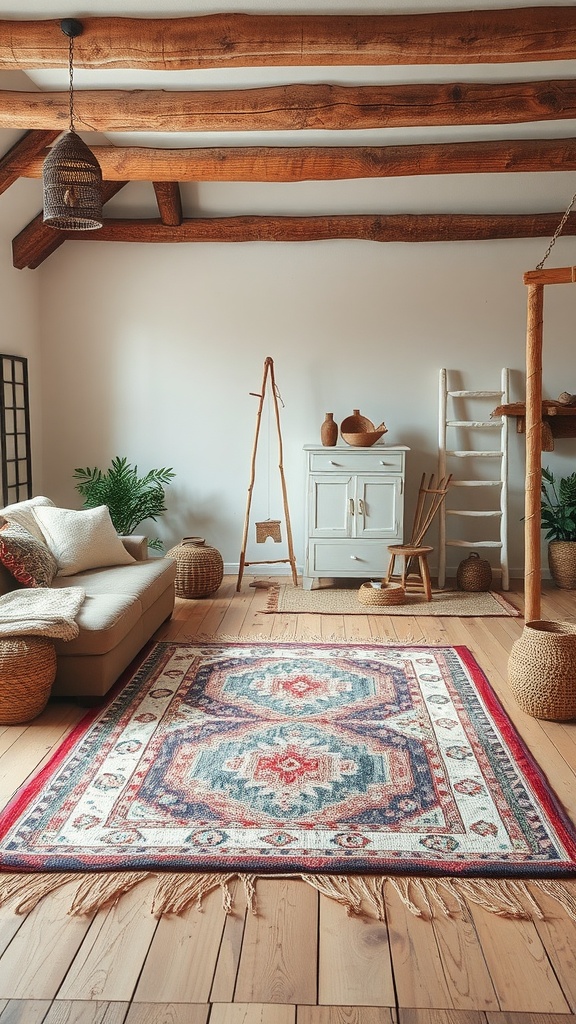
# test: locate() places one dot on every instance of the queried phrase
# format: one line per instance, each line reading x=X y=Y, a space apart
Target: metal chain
x=557 y=233
x=71 y=78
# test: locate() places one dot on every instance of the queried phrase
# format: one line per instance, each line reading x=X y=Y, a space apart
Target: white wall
x=151 y=352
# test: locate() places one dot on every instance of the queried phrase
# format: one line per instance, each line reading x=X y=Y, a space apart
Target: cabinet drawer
x=362 y=558
x=337 y=461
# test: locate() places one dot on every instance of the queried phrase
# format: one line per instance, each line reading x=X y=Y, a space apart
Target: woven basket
x=474 y=573
x=27 y=671
x=542 y=670
x=562 y=563
x=388 y=593
x=359 y=431
x=199 y=567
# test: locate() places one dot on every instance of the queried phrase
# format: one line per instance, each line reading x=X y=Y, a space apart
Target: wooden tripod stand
x=268 y=373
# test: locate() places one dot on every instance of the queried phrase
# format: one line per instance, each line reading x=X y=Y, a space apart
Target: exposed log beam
x=396 y=228
x=169 y=202
x=240 y=40
x=325 y=163
x=17 y=160
x=37 y=240
x=294 y=107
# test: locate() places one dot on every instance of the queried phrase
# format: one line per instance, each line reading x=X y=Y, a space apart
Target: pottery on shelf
x=329 y=431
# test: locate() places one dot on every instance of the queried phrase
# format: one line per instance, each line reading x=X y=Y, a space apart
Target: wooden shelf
x=560 y=419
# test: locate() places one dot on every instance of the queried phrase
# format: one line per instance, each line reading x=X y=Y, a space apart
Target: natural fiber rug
x=344 y=601
x=345 y=765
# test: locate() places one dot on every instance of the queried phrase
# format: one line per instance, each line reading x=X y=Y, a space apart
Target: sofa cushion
x=82 y=539
x=26 y=558
x=21 y=512
x=144 y=580
x=104 y=621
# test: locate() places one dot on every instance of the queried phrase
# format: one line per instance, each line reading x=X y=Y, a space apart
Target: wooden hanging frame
x=536 y=280
x=268 y=376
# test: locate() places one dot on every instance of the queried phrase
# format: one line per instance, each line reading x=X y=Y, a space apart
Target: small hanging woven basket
x=27 y=671
x=199 y=567
x=542 y=670
x=474 y=573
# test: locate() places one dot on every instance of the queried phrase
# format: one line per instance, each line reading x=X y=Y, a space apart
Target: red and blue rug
x=294 y=758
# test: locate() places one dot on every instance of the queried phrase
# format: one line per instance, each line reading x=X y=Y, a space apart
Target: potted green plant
x=131 y=498
x=558 y=518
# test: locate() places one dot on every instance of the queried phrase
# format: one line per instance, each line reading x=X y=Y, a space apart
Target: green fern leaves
x=130 y=498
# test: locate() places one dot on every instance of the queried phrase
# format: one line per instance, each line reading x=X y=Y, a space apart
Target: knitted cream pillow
x=21 y=513
x=81 y=540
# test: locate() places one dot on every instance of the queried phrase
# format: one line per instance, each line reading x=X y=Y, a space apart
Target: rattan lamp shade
x=72 y=182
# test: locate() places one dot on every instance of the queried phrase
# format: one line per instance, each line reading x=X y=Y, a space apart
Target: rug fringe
x=362 y=895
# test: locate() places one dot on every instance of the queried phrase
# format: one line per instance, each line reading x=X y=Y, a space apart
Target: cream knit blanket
x=41 y=612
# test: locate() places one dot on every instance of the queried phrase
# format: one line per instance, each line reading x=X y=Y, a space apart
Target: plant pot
x=542 y=670
x=562 y=563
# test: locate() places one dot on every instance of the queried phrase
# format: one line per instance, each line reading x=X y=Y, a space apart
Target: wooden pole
x=532 y=534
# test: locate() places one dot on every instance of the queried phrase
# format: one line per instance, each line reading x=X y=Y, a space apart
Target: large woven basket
x=199 y=567
x=562 y=563
x=387 y=594
x=542 y=670
x=27 y=671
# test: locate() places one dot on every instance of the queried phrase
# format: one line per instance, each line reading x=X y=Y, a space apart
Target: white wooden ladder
x=452 y=428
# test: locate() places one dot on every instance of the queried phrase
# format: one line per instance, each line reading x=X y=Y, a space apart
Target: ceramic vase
x=329 y=431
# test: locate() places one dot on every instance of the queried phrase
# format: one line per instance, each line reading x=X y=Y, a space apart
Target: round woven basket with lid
x=199 y=567
x=542 y=669
x=27 y=671
x=386 y=594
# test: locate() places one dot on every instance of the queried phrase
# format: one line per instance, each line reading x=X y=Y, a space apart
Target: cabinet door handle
x=362 y=508
x=354 y=558
x=351 y=505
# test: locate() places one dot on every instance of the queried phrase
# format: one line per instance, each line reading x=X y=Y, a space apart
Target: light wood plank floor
x=301 y=960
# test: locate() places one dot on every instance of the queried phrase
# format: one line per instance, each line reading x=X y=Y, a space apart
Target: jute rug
x=344 y=601
x=352 y=767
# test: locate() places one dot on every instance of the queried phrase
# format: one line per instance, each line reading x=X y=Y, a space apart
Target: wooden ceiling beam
x=16 y=162
x=37 y=240
x=246 y=40
x=376 y=228
x=325 y=163
x=169 y=202
x=294 y=107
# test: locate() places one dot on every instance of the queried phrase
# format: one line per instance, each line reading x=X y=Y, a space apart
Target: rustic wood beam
x=17 y=160
x=325 y=163
x=241 y=40
x=169 y=202
x=294 y=107
x=37 y=240
x=376 y=228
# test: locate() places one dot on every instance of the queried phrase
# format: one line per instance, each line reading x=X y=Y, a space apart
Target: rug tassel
x=402 y=887
x=175 y=892
x=249 y=883
x=493 y=896
x=97 y=890
x=557 y=891
x=31 y=888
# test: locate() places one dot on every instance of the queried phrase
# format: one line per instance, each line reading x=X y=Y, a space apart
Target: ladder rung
x=474 y=543
x=475 y=483
x=493 y=512
x=475 y=394
x=475 y=423
x=468 y=454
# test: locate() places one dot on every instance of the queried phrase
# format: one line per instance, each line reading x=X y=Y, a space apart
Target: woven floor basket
x=199 y=567
x=542 y=670
x=562 y=563
x=388 y=593
x=27 y=671
x=474 y=574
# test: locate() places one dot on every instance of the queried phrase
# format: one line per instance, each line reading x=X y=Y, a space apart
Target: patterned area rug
x=344 y=601
x=327 y=761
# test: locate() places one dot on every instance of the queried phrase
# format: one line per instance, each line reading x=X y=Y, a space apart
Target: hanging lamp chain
x=557 y=233
x=71 y=79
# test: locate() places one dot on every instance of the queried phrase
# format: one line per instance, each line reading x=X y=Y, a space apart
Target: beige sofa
x=123 y=607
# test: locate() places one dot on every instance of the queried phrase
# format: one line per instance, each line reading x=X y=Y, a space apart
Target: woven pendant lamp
x=71 y=175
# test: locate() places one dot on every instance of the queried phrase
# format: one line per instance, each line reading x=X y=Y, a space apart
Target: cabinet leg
x=307 y=582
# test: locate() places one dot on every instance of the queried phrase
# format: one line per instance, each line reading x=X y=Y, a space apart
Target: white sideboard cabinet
x=354 y=510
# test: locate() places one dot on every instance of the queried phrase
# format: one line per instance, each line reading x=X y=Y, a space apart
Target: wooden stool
x=416 y=582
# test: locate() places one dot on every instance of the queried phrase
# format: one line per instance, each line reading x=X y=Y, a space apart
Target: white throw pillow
x=21 y=513
x=81 y=540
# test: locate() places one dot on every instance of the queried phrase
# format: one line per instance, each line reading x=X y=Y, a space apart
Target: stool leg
x=390 y=572
x=425 y=574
